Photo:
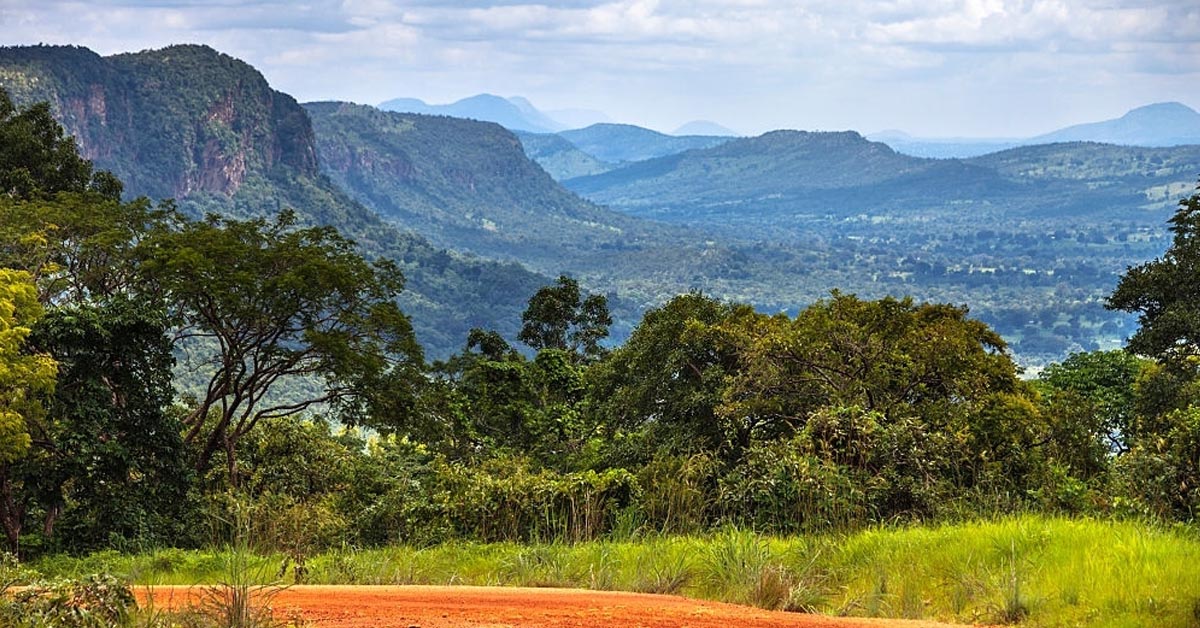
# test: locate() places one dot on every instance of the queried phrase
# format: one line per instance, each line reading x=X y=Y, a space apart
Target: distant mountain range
x=1159 y=124
x=603 y=147
x=787 y=173
x=514 y=113
x=705 y=127
x=518 y=114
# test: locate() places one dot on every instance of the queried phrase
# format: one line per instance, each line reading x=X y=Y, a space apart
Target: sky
x=932 y=68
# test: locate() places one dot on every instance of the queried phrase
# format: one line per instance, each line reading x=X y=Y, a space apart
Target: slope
x=560 y=158
x=462 y=183
x=780 y=171
x=190 y=123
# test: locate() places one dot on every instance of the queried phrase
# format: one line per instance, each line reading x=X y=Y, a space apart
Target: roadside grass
x=1026 y=569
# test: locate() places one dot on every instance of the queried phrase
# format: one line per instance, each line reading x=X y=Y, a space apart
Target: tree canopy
x=1165 y=294
x=268 y=301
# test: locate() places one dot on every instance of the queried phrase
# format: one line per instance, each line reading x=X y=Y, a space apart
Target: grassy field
x=1027 y=570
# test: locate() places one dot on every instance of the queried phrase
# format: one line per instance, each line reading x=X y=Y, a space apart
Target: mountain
x=560 y=158
x=512 y=113
x=462 y=183
x=616 y=143
x=792 y=169
x=941 y=148
x=784 y=172
x=1033 y=238
x=1160 y=124
x=705 y=127
x=190 y=123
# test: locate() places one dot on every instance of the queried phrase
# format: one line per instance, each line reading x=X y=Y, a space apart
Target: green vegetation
x=558 y=157
x=1040 y=571
x=465 y=183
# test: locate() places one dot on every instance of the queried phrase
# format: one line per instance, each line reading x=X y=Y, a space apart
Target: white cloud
x=981 y=66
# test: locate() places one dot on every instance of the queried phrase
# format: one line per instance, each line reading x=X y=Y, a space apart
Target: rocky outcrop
x=192 y=119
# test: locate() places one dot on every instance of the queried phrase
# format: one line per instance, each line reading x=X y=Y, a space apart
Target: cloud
x=751 y=64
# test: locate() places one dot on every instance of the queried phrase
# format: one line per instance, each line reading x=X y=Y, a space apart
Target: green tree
x=1104 y=384
x=269 y=302
x=26 y=380
x=114 y=468
x=38 y=159
x=560 y=317
x=890 y=356
x=106 y=460
x=1165 y=294
x=660 y=390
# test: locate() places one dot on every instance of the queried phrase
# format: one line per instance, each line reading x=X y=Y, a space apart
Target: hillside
x=561 y=159
x=778 y=174
x=462 y=183
x=189 y=123
x=781 y=171
x=624 y=142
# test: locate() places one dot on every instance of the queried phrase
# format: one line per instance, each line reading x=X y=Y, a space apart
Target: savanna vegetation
x=861 y=456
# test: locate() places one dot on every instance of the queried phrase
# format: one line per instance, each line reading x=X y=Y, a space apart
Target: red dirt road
x=502 y=607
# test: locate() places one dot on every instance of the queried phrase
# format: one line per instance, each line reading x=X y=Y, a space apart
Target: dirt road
x=495 y=607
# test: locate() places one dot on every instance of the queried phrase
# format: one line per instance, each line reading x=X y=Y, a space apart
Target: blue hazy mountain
x=705 y=127
x=516 y=113
x=1159 y=124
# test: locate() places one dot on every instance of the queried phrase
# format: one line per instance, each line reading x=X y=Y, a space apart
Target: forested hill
x=773 y=176
x=463 y=184
x=190 y=123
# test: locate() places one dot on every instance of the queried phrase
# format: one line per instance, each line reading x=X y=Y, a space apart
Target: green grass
x=1029 y=570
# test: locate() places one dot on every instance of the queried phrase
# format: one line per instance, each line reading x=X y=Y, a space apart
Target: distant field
x=1028 y=570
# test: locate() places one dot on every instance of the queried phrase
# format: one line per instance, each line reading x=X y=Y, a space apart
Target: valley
x=1032 y=238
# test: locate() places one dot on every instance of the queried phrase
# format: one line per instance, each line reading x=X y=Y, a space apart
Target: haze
x=982 y=68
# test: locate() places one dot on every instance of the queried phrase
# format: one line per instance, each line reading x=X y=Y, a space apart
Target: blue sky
x=991 y=68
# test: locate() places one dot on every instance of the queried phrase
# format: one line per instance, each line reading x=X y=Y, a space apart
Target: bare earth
x=504 y=607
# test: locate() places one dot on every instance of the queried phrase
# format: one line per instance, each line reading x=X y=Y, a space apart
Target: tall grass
x=1027 y=569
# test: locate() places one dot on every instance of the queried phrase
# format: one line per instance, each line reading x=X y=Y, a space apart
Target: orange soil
x=502 y=607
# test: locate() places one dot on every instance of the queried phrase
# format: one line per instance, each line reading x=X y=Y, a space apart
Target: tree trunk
x=231 y=462
x=11 y=513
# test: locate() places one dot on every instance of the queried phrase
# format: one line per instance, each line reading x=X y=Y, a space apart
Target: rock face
x=190 y=123
x=173 y=122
